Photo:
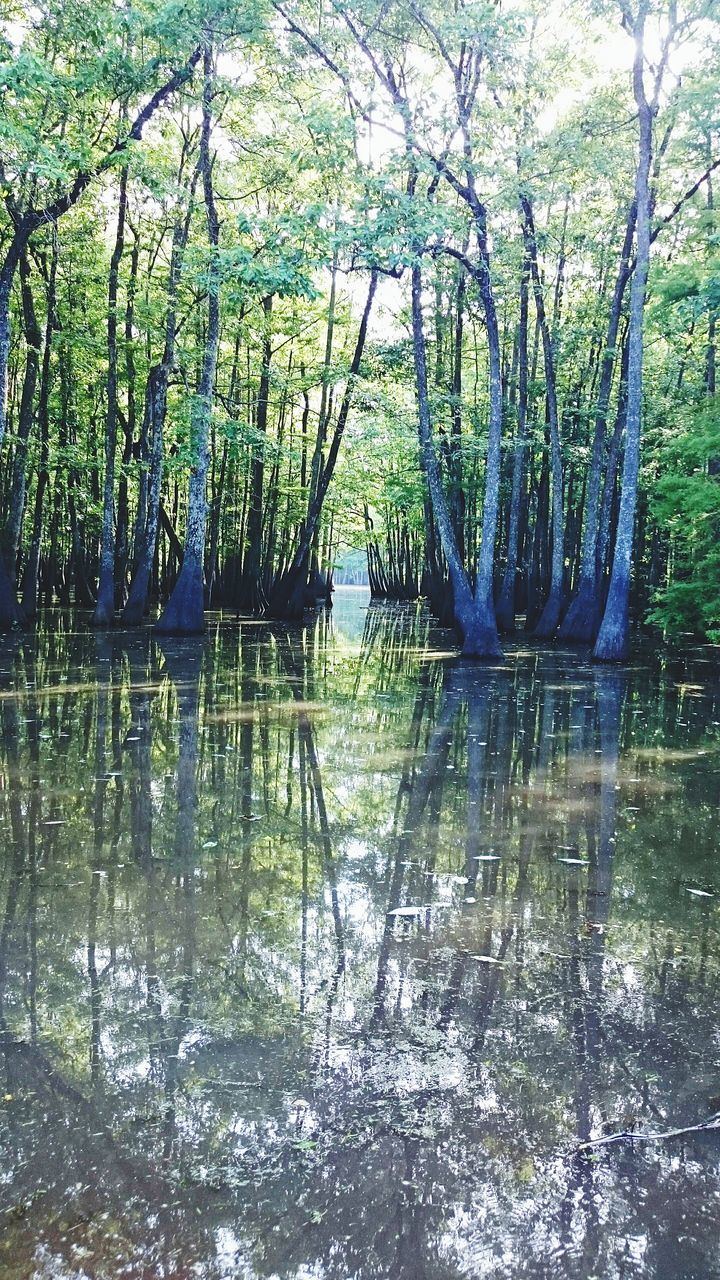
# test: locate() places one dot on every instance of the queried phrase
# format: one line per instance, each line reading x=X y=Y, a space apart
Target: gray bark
x=506 y=602
x=613 y=638
x=184 y=612
x=105 y=607
x=582 y=619
x=550 y=615
x=153 y=427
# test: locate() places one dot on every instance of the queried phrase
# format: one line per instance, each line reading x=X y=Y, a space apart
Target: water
x=322 y=954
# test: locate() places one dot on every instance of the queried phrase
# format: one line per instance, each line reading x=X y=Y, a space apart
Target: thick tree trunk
x=613 y=638
x=153 y=427
x=184 y=612
x=482 y=639
x=581 y=622
x=477 y=628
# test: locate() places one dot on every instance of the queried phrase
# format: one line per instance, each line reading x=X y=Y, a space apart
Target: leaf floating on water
x=700 y=893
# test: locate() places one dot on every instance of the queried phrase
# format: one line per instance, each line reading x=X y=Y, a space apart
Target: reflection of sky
x=350 y=605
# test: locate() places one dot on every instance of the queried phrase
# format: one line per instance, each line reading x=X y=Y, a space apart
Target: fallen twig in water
x=632 y=1135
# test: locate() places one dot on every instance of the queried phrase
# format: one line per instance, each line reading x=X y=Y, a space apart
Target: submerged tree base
x=505 y=613
x=288 y=598
x=582 y=620
x=103 y=615
x=251 y=596
x=613 y=642
x=184 y=613
x=549 y=619
x=12 y=617
x=136 y=603
x=480 y=640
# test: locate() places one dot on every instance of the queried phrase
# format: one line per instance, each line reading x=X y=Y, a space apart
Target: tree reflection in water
x=322 y=956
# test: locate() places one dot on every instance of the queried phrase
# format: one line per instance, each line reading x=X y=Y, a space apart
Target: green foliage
x=686 y=502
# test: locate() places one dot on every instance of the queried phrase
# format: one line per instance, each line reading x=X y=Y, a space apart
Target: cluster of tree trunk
x=270 y=560
x=563 y=545
x=529 y=531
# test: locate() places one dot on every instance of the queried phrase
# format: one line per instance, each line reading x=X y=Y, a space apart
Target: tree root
x=631 y=1135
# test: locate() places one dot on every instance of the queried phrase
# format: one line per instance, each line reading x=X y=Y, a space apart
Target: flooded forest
x=359 y=626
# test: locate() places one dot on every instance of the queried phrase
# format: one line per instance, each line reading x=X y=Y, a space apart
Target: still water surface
x=322 y=953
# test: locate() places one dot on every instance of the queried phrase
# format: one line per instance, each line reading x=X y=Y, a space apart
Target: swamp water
x=322 y=953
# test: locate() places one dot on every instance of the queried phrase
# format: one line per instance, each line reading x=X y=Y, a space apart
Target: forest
x=281 y=282
x=359 y=626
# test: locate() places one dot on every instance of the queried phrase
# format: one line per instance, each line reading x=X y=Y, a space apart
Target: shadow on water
x=322 y=952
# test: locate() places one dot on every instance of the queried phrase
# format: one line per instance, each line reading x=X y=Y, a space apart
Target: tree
x=613 y=637
x=184 y=612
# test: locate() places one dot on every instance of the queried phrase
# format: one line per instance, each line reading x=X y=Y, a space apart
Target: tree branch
x=35 y=218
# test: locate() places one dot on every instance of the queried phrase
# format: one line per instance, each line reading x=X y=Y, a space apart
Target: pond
x=323 y=954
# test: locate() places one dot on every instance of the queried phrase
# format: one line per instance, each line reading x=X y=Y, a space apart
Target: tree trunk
x=154 y=424
x=505 y=608
x=252 y=595
x=154 y=415
x=287 y=599
x=33 y=341
x=32 y=568
x=184 y=612
x=581 y=622
x=613 y=638
x=482 y=641
x=479 y=639
x=550 y=616
x=611 y=468
x=105 y=607
x=10 y=612
x=122 y=540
